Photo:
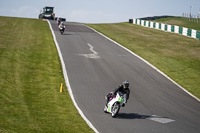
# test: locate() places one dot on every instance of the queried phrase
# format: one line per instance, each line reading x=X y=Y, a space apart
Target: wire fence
x=190 y=17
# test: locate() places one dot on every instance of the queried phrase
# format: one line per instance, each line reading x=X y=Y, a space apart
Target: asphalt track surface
x=96 y=66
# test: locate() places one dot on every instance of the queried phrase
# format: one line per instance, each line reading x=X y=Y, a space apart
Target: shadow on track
x=132 y=116
x=67 y=34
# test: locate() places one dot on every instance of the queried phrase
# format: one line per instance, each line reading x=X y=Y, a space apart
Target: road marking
x=148 y=64
x=92 y=48
x=160 y=119
x=67 y=82
x=94 y=55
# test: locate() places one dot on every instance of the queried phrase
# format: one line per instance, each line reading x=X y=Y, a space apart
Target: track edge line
x=67 y=81
x=147 y=63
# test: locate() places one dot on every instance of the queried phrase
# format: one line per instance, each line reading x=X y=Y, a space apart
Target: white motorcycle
x=114 y=105
x=62 y=29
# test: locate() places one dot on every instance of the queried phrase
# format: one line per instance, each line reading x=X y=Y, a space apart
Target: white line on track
x=147 y=63
x=160 y=119
x=92 y=48
x=94 y=55
x=67 y=81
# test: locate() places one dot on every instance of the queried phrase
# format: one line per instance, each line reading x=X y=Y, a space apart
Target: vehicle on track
x=114 y=104
x=61 y=27
x=47 y=13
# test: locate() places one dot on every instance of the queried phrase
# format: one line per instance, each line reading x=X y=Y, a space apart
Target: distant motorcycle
x=58 y=21
x=62 y=28
x=114 y=104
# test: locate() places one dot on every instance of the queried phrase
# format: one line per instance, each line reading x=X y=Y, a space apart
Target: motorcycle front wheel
x=61 y=31
x=115 y=110
x=105 y=109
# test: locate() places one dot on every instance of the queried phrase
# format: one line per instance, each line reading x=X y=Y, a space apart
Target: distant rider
x=61 y=25
x=58 y=20
x=124 y=88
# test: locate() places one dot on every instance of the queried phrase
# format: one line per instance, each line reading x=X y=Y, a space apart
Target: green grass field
x=30 y=71
x=30 y=78
x=175 y=55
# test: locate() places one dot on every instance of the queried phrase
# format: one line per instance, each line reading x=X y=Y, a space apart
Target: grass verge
x=175 y=55
x=30 y=77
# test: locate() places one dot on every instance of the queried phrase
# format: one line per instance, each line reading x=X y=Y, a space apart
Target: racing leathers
x=122 y=89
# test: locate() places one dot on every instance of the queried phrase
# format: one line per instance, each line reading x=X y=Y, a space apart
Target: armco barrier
x=169 y=28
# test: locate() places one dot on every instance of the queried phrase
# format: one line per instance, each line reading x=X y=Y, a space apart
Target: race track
x=96 y=66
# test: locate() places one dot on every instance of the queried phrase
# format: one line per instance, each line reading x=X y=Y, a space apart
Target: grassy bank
x=30 y=77
x=180 y=22
x=175 y=55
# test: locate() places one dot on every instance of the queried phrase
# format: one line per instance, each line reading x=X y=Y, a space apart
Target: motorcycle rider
x=61 y=26
x=58 y=20
x=124 y=88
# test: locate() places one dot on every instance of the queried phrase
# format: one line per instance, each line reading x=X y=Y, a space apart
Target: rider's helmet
x=126 y=83
x=62 y=23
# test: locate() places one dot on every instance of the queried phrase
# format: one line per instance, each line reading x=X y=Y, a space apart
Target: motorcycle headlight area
x=121 y=100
